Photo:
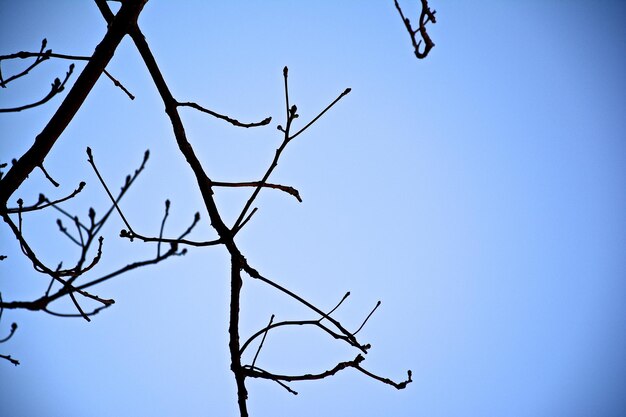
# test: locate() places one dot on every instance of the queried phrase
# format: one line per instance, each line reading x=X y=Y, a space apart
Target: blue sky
x=478 y=193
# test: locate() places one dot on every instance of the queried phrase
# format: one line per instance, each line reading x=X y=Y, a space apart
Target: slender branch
x=119 y=85
x=90 y=314
x=291 y=116
x=397 y=385
x=52 y=181
x=230 y=120
x=246 y=220
x=167 y=212
x=256 y=355
x=11 y=333
x=367 y=318
x=41 y=56
x=42 y=199
x=113 y=200
x=346 y=295
x=253 y=273
x=10 y=359
x=56 y=87
x=39 y=266
x=285 y=188
x=316 y=118
x=256 y=373
x=426 y=16
x=315 y=323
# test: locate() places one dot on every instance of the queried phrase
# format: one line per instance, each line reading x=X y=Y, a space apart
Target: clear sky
x=478 y=193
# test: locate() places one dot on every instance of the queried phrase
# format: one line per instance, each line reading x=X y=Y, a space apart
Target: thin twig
x=426 y=16
x=285 y=188
x=367 y=318
x=230 y=120
x=52 y=181
x=93 y=165
x=262 y=341
x=42 y=199
x=56 y=87
x=167 y=212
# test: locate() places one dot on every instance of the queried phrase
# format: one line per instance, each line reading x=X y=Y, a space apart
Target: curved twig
x=426 y=16
x=56 y=87
x=230 y=120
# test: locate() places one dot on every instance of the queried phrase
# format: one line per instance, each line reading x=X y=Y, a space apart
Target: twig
x=56 y=87
x=43 y=199
x=285 y=188
x=167 y=212
x=119 y=84
x=52 y=181
x=291 y=116
x=426 y=16
x=346 y=295
x=10 y=359
x=41 y=56
x=230 y=120
x=367 y=318
x=93 y=165
x=262 y=341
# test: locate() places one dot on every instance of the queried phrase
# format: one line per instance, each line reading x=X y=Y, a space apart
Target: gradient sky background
x=478 y=193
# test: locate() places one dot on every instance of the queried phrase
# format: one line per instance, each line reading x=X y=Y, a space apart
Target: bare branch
x=367 y=318
x=426 y=16
x=285 y=188
x=291 y=116
x=256 y=355
x=56 y=87
x=230 y=120
x=259 y=373
x=42 y=199
x=41 y=56
x=167 y=212
x=10 y=359
x=113 y=200
x=52 y=181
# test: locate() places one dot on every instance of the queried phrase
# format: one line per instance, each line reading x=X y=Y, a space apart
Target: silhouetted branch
x=13 y=329
x=13 y=325
x=10 y=359
x=52 y=181
x=426 y=16
x=285 y=188
x=56 y=87
x=256 y=372
x=256 y=355
x=315 y=323
x=367 y=318
x=167 y=212
x=260 y=373
x=39 y=205
x=291 y=116
x=349 y=337
x=42 y=56
x=113 y=200
x=230 y=120
x=346 y=295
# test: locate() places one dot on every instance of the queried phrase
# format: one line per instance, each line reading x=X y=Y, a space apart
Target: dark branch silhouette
x=426 y=16
x=73 y=282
